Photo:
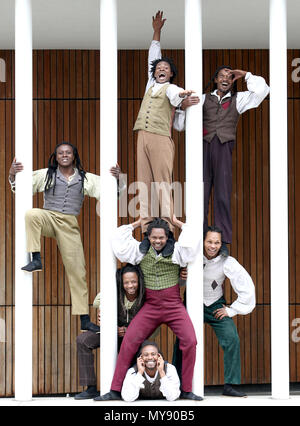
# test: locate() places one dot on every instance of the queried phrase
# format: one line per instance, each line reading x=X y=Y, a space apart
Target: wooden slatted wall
x=66 y=107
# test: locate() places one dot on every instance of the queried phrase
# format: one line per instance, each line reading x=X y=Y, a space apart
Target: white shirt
x=172 y=90
x=214 y=274
x=126 y=248
x=134 y=382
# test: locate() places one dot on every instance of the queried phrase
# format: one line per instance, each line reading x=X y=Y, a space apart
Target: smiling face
x=150 y=358
x=212 y=244
x=224 y=81
x=158 y=239
x=163 y=72
x=131 y=285
x=65 y=156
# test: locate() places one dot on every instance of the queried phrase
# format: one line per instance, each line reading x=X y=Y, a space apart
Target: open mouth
x=151 y=364
x=211 y=252
x=161 y=76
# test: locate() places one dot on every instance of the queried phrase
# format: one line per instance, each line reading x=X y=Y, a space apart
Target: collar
x=151 y=379
x=214 y=260
x=215 y=93
x=70 y=178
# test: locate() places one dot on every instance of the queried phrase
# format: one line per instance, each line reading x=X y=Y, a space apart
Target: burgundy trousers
x=161 y=307
x=217 y=174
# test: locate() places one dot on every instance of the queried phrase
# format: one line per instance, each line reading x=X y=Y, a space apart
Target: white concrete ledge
x=210 y=401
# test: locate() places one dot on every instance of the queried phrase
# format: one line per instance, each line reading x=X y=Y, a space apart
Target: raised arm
x=155 y=50
x=124 y=246
x=257 y=90
x=187 y=246
x=157 y=23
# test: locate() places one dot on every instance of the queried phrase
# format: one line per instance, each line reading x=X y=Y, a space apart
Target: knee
x=80 y=340
x=31 y=215
x=189 y=342
x=83 y=342
x=231 y=339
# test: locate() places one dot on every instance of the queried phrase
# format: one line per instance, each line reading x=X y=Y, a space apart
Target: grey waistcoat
x=67 y=198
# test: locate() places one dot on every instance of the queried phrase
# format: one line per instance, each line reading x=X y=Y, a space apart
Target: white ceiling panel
x=74 y=24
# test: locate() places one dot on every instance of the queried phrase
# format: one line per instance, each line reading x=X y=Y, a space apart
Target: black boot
x=191 y=396
x=87 y=325
x=110 y=396
x=89 y=393
x=35 y=265
x=230 y=391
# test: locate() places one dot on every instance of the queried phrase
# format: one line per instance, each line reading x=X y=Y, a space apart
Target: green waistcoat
x=155 y=114
x=159 y=272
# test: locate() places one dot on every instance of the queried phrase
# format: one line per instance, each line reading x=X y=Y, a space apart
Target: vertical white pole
x=194 y=176
x=108 y=200
x=279 y=200
x=23 y=198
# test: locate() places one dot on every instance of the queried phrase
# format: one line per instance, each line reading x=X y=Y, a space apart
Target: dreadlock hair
x=212 y=80
x=158 y=223
x=149 y=343
x=212 y=228
x=169 y=61
x=141 y=288
x=53 y=164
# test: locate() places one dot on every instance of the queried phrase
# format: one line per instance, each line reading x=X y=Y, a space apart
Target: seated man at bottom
x=163 y=304
x=151 y=377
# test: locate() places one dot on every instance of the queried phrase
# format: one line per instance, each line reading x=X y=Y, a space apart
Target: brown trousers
x=86 y=343
x=64 y=228
x=155 y=159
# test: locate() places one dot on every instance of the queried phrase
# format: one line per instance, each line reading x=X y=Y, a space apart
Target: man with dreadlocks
x=64 y=184
x=222 y=109
x=155 y=148
x=131 y=295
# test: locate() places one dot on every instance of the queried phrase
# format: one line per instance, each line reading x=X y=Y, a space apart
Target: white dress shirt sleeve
x=125 y=247
x=179 y=119
x=153 y=54
x=132 y=385
x=257 y=91
x=187 y=247
x=170 y=384
x=172 y=93
x=243 y=286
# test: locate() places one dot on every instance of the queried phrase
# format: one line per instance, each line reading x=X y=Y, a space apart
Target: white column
x=108 y=200
x=194 y=176
x=279 y=200
x=23 y=198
